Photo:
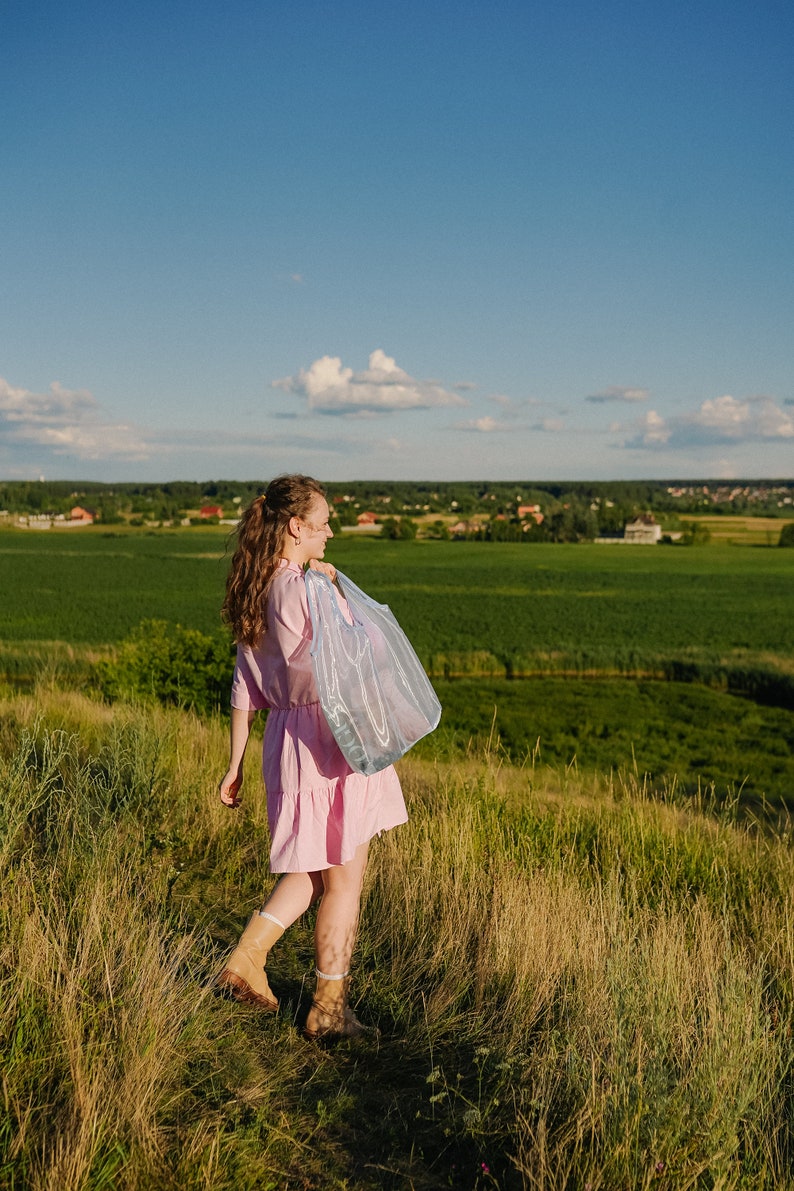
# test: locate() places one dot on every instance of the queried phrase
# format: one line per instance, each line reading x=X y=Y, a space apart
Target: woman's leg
x=337 y=915
x=292 y=896
x=244 y=976
x=334 y=936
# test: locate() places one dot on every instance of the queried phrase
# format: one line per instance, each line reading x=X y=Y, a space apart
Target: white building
x=643 y=531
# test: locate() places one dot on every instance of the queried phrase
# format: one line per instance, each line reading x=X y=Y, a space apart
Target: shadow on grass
x=392 y=1110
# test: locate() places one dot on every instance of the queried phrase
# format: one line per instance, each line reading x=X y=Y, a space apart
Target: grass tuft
x=578 y=981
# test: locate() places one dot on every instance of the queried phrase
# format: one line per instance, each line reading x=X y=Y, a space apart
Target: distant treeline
x=606 y=504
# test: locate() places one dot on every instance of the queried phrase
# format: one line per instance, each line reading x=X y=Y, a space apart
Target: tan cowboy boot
x=244 y=976
x=330 y=1015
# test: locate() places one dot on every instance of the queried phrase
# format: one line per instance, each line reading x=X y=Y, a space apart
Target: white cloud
x=382 y=388
x=487 y=424
x=653 y=429
x=65 y=422
x=757 y=417
x=719 y=420
x=484 y=425
x=619 y=393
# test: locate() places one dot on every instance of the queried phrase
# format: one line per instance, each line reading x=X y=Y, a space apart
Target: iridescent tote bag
x=373 y=690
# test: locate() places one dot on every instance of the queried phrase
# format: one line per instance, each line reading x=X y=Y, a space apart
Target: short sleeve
x=277 y=671
x=289 y=620
x=247 y=683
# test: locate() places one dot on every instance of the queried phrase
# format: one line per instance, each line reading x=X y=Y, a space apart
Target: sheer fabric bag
x=374 y=692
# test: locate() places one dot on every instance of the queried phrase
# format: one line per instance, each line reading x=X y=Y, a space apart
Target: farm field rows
x=678 y=735
x=598 y=633
x=744 y=531
x=457 y=598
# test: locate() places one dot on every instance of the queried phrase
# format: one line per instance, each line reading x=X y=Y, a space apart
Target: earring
x=297 y=539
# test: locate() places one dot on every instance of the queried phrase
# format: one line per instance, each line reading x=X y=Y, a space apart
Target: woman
x=321 y=813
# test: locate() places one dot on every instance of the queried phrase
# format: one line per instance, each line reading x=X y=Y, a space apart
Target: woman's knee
x=347 y=878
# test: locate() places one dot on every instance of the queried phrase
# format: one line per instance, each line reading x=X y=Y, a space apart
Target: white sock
x=271 y=918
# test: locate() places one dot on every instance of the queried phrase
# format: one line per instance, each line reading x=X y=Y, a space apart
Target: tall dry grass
x=578 y=983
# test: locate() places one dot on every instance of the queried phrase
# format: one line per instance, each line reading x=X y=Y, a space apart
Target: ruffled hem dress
x=319 y=809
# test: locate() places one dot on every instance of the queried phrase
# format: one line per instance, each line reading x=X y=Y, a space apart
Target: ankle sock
x=271 y=918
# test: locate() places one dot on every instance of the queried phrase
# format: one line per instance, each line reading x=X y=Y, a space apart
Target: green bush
x=398 y=529
x=696 y=535
x=171 y=664
x=787 y=535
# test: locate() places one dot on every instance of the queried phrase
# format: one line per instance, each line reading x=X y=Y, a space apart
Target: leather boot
x=330 y=1015
x=244 y=976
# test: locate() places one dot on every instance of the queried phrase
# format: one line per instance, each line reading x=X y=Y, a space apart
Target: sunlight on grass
x=577 y=982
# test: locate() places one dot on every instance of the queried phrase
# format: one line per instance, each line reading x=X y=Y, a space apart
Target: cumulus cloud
x=487 y=424
x=719 y=420
x=756 y=418
x=64 y=422
x=329 y=388
x=484 y=425
x=619 y=393
x=653 y=430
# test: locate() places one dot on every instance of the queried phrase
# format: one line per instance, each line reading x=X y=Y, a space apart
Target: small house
x=643 y=531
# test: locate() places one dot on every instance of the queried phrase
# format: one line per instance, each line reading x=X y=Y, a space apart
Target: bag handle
x=318 y=585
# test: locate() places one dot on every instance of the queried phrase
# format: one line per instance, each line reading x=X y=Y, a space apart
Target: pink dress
x=318 y=808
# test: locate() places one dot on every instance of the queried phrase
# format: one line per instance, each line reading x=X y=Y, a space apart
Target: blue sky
x=437 y=240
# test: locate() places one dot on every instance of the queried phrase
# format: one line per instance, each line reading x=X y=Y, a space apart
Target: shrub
x=171 y=664
x=696 y=535
x=398 y=529
x=787 y=535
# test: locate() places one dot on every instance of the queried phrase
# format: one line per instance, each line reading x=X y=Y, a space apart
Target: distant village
x=630 y=513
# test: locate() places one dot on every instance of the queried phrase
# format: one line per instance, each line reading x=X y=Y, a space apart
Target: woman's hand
x=325 y=568
x=230 y=786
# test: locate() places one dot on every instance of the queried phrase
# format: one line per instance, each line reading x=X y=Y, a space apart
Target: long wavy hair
x=260 y=534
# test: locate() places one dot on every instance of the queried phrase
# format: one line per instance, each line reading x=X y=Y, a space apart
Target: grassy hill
x=577 y=983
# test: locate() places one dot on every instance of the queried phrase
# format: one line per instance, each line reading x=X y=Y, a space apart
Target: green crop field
x=601 y=637
x=509 y=600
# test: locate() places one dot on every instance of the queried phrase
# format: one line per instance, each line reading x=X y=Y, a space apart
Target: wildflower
x=659 y=1168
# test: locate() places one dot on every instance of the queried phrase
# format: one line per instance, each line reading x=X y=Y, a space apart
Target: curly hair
x=260 y=540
